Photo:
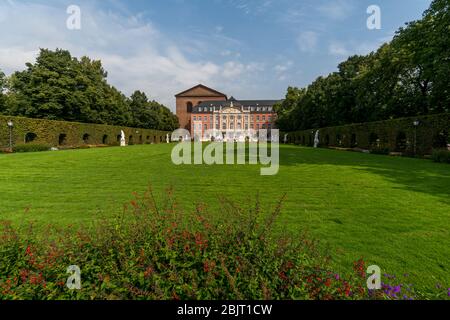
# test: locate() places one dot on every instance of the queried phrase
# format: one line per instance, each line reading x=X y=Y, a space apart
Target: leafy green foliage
x=151 y=114
x=61 y=87
x=155 y=251
x=382 y=137
x=32 y=147
x=407 y=77
x=441 y=156
x=64 y=134
x=2 y=96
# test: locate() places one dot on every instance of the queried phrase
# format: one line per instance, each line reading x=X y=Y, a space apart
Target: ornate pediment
x=231 y=110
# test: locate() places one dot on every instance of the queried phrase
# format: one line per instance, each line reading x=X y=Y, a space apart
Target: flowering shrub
x=154 y=251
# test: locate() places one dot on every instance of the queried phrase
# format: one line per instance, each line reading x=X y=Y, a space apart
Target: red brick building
x=203 y=108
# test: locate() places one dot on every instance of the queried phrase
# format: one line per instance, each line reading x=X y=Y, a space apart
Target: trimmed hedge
x=32 y=147
x=441 y=156
x=72 y=134
x=397 y=135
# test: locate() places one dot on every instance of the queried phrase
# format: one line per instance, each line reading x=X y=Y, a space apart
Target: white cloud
x=307 y=41
x=348 y=48
x=135 y=54
x=338 y=49
x=336 y=9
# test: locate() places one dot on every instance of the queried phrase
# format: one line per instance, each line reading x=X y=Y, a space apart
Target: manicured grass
x=393 y=212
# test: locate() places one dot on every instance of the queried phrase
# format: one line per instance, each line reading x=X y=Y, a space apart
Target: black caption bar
x=186 y=310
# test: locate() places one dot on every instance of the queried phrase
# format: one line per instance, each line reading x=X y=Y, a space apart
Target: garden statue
x=123 y=142
x=167 y=138
x=316 y=140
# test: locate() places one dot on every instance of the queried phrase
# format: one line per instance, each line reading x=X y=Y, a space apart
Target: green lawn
x=394 y=212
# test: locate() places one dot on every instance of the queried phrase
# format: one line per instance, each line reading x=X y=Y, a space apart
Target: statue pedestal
x=123 y=143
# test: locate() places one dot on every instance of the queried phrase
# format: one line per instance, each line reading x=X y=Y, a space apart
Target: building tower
x=187 y=100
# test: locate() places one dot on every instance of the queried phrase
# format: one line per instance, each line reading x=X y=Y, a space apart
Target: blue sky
x=251 y=49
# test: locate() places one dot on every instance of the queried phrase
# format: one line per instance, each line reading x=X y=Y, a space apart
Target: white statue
x=285 y=139
x=316 y=140
x=123 y=142
x=167 y=138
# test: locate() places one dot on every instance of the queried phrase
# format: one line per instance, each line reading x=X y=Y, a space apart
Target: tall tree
x=406 y=77
x=2 y=89
x=151 y=114
x=61 y=87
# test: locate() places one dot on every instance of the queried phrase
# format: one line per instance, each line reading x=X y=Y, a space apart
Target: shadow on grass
x=418 y=175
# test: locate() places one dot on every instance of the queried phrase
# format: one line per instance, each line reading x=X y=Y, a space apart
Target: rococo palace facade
x=213 y=116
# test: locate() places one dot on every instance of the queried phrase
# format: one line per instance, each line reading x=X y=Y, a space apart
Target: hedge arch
x=401 y=142
x=432 y=133
x=327 y=140
x=62 y=139
x=86 y=138
x=338 y=140
x=30 y=137
x=374 y=140
x=441 y=140
x=65 y=134
x=353 y=140
x=105 y=139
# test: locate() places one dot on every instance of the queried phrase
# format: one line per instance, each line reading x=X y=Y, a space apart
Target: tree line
x=407 y=77
x=61 y=87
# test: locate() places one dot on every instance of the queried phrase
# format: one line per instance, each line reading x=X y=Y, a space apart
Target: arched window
x=130 y=140
x=140 y=139
x=189 y=107
x=30 y=137
x=86 y=138
x=62 y=139
x=105 y=139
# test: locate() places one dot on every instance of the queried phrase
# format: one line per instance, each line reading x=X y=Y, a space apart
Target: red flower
x=28 y=252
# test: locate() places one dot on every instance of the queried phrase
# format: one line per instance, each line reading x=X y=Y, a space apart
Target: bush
x=382 y=151
x=442 y=156
x=159 y=252
x=31 y=147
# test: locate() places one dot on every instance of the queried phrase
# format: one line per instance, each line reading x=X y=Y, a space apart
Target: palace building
x=203 y=108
